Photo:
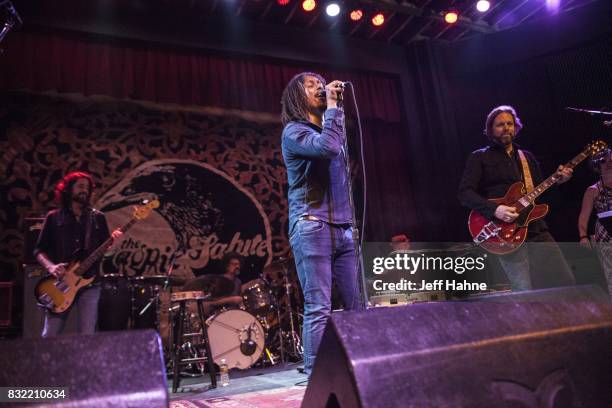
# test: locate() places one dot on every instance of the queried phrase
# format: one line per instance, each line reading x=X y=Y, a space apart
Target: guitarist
x=489 y=173
x=74 y=228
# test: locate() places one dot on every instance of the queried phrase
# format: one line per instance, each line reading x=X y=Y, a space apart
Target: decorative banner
x=202 y=211
x=134 y=149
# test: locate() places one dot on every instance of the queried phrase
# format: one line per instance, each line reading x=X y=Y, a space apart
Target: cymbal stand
x=155 y=299
x=156 y=290
x=294 y=337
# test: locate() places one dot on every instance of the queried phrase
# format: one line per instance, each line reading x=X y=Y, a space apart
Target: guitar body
x=57 y=295
x=512 y=234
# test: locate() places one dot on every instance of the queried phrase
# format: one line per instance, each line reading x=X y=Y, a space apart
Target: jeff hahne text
x=410 y=264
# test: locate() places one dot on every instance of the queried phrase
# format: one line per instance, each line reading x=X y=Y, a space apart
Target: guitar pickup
x=489 y=230
x=62 y=286
x=46 y=300
x=524 y=202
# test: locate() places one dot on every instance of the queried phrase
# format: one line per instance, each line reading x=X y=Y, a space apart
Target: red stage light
x=283 y=2
x=309 y=5
x=451 y=17
x=378 y=20
x=356 y=15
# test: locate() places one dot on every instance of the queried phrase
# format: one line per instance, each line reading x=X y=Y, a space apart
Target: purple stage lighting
x=553 y=5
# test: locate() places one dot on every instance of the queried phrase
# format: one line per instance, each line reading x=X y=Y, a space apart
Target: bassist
x=489 y=173
x=74 y=228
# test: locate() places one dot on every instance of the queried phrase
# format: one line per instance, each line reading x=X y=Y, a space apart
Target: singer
x=320 y=230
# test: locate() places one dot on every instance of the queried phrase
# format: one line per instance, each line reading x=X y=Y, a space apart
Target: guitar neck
x=97 y=254
x=550 y=181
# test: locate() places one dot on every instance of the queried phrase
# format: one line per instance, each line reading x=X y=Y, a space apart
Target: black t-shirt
x=63 y=237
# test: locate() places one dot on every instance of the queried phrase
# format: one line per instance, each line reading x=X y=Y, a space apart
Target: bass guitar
x=57 y=295
x=500 y=237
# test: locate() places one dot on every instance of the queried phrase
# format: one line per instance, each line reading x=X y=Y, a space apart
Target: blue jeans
x=86 y=308
x=542 y=254
x=323 y=252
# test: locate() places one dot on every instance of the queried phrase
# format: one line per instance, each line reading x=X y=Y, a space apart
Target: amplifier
x=31 y=229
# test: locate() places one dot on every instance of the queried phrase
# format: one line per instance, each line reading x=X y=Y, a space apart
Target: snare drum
x=236 y=336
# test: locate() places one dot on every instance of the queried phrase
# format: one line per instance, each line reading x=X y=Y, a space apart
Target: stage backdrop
x=201 y=132
x=212 y=172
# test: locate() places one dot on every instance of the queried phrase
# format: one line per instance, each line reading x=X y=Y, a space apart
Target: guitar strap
x=88 y=227
x=526 y=172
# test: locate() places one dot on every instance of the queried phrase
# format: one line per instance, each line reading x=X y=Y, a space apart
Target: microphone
x=343 y=85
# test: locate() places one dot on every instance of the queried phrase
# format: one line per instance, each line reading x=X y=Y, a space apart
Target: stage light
x=356 y=14
x=451 y=17
x=483 y=6
x=332 y=9
x=283 y=2
x=378 y=20
x=553 y=5
x=309 y=5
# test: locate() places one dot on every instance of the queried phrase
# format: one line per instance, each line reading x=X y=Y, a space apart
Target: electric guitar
x=499 y=237
x=57 y=295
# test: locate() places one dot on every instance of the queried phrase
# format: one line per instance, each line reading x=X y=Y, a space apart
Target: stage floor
x=278 y=386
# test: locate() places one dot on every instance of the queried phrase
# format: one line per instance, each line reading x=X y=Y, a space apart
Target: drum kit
x=262 y=329
x=133 y=302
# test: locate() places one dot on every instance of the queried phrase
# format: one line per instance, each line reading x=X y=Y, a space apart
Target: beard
x=81 y=198
x=319 y=108
x=504 y=139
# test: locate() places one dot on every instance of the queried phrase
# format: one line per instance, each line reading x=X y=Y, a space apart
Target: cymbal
x=216 y=285
x=159 y=280
x=279 y=266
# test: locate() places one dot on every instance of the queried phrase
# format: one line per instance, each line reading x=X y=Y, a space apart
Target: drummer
x=230 y=264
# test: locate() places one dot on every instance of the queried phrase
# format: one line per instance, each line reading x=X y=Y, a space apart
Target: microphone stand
x=590 y=112
x=8 y=25
x=155 y=297
x=12 y=19
x=355 y=229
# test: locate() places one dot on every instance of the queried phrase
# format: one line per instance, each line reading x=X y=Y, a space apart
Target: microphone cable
x=359 y=129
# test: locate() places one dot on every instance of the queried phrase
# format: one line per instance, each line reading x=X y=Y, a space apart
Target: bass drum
x=236 y=336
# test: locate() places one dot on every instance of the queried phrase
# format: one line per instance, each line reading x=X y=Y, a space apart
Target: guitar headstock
x=143 y=211
x=596 y=147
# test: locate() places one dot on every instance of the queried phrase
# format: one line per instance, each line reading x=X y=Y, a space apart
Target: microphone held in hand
x=343 y=85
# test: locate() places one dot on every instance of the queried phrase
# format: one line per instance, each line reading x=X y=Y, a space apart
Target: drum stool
x=181 y=298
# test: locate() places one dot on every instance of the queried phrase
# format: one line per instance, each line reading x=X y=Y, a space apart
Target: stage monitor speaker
x=513 y=353
x=113 y=369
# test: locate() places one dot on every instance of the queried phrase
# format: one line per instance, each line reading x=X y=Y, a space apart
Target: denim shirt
x=316 y=170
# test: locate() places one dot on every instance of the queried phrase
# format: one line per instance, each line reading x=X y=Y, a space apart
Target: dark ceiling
x=406 y=21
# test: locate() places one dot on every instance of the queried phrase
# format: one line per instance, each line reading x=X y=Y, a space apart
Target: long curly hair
x=229 y=257
x=488 y=130
x=63 y=190
x=293 y=99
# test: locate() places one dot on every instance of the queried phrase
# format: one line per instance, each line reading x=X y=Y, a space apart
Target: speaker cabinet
x=545 y=348
x=114 y=369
